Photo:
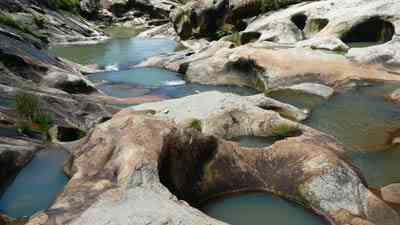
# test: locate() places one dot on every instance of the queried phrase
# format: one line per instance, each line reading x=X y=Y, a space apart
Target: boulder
x=138 y=168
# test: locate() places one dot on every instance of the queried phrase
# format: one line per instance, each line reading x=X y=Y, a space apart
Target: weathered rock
x=267 y=66
x=163 y=31
x=81 y=111
x=15 y=153
x=42 y=21
x=325 y=43
x=143 y=165
x=120 y=8
x=333 y=24
x=221 y=114
x=206 y=18
x=387 y=54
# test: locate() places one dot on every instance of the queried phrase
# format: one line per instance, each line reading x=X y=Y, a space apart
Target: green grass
x=32 y=116
x=67 y=5
x=283 y=130
x=27 y=105
x=234 y=38
x=196 y=124
x=8 y=20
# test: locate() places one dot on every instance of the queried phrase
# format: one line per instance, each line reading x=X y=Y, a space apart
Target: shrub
x=7 y=20
x=44 y=120
x=234 y=38
x=68 y=5
x=33 y=117
x=27 y=105
x=196 y=124
x=283 y=130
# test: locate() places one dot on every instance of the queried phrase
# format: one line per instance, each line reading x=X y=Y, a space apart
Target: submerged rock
x=313 y=89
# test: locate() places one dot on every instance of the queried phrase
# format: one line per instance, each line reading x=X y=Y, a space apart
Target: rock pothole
x=68 y=134
x=263 y=142
x=299 y=20
x=375 y=30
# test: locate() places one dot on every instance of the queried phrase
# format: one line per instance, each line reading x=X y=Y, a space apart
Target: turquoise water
x=259 y=209
x=36 y=186
x=122 y=51
x=147 y=77
x=364 y=121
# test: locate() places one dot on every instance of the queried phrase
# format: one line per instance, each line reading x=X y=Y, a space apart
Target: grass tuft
x=196 y=124
x=32 y=116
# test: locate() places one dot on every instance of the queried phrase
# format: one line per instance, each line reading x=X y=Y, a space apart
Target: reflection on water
x=259 y=209
x=36 y=186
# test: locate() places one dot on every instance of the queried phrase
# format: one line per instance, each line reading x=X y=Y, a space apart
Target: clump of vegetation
x=8 y=20
x=234 y=38
x=40 y=21
x=283 y=130
x=196 y=124
x=32 y=116
x=67 y=5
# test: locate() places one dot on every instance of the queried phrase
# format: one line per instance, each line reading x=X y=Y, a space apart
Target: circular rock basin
x=36 y=186
x=259 y=209
x=364 y=121
x=256 y=142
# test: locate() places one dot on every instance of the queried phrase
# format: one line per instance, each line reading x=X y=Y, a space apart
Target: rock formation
x=148 y=169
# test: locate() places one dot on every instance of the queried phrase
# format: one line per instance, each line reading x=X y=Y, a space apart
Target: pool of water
x=142 y=81
x=363 y=44
x=116 y=51
x=36 y=186
x=10 y=132
x=298 y=99
x=364 y=121
x=255 y=141
x=7 y=102
x=259 y=209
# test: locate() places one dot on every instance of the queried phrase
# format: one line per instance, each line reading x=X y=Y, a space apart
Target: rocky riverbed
x=295 y=100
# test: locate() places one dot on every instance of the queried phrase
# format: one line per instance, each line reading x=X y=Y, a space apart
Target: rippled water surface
x=259 y=209
x=36 y=186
